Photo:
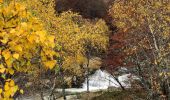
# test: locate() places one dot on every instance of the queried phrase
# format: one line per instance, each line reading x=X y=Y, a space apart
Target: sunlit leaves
x=22 y=38
x=2 y=68
x=31 y=38
x=50 y=64
x=16 y=56
x=21 y=91
x=6 y=54
x=9 y=89
x=77 y=36
x=10 y=71
x=1 y=1
x=72 y=32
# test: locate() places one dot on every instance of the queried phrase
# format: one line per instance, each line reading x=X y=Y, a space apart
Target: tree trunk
x=62 y=80
x=88 y=58
x=122 y=87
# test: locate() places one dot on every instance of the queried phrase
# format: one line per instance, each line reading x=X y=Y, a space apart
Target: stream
x=100 y=80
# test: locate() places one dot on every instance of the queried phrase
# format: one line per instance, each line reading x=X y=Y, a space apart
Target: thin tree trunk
x=40 y=68
x=53 y=88
x=88 y=58
x=62 y=80
x=122 y=87
x=144 y=83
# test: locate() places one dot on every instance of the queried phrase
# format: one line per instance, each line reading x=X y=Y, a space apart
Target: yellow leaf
x=24 y=25
x=31 y=38
x=18 y=48
x=1 y=66
x=50 y=64
x=0 y=90
x=11 y=71
x=11 y=83
x=7 y=94
x=16 y=56
x=6 y=87
x=15 y=88
x=20 y=7
x=13 y=31
x=2 y=70
x=42 y=35
x=51 y=38
x=21 y=91
x=9 y=63
x=5 y=40
x=6 y=54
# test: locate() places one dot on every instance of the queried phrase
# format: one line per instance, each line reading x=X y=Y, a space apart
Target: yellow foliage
x=18 y=48
x=16 y=55
x=78 y=38
x=11 y=83
x=1 y=1
x=74 y=33
x=50 y=64
x=2 y=68
x=138 y=15
x=9 y=90
x=10 y=70
x=22 y=37
x=7 y=54
x=21 y=91
x=0 y=90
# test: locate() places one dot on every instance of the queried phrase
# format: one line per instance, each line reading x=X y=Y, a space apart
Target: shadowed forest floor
x=121 y=95
x=111 y=94
x=115 y=95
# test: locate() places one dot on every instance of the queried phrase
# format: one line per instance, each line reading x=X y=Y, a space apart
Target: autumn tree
x=79 y=38
x=75 y=34
x=147 y=24
x=23 y=41
x=82 y=41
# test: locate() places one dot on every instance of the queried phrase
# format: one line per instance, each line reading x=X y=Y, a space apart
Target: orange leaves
x=1 y=1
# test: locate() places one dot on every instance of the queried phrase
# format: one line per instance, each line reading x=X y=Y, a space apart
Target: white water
x=101 y=80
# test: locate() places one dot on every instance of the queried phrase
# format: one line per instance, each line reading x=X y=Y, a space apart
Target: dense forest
x=51 y=44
